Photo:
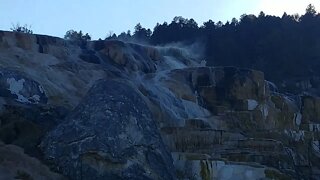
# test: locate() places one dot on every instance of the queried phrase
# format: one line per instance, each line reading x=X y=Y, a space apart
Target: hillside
x=110 y=109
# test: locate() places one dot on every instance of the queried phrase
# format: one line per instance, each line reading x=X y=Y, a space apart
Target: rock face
x=247 y=124
x=110 y=135
x=117 y=110
x=43 y=78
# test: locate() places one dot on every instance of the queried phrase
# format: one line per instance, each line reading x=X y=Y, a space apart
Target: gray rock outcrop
x=110 y=135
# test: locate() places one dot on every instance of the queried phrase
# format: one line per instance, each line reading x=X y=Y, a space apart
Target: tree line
x=282 y=47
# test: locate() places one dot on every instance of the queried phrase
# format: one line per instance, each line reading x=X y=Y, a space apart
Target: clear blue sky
x=99 y=17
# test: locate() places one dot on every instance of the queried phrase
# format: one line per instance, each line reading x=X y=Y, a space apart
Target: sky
x=99 y=18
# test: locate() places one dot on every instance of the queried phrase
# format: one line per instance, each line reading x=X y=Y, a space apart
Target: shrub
x=22 y=29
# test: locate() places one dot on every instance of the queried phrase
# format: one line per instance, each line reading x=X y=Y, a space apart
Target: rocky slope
x=115 y=110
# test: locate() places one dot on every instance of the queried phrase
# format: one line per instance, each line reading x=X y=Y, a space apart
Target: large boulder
x=110 y=135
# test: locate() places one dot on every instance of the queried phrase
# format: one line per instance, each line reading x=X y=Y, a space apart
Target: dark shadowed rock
x=110 y=135
x=15 y=164
x=89 y=56
x=25 y=125
x=310 y=109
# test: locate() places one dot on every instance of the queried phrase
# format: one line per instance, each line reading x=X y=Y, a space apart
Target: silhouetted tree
x=76 y=36
x=141 y=34
x=311 y=10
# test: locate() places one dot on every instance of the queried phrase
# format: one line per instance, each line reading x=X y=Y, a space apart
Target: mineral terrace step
x=196 y=164
x=274 y=160
x=286 y=136
x=184 y=139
